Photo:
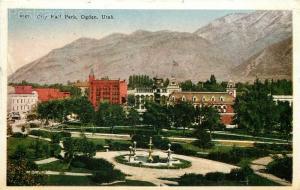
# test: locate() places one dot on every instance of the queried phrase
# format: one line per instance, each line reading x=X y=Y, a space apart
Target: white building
x=158 y=93
x=22 y=103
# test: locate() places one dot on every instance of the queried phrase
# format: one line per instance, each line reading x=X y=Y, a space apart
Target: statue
x=150 y=159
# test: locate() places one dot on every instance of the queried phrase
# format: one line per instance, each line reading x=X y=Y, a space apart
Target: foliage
x=19 y=173
x=207 y=86
x=180 y=149
x=93 y=164
x=55 y=150
x=236 y=154
x=133 y=117
x=58 y=110
x=256 y=110
x=110 y=115
x=274 y=147
x=19 y=135
x=182 y=114
x=78 y=146
x=156 y=115
x=281 y=167
x=138 y=81
x=9 y=129
x=203 y=138
x=130 y=100
x=107 y=176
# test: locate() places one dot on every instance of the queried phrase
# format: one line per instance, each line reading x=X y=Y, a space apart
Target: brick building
x=46 y=94
x=112 y=91
x=222 y=101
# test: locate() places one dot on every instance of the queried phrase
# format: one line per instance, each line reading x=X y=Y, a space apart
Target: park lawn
x=13 y=142
x=64 y=180
x=129 y=182
x=61 y=166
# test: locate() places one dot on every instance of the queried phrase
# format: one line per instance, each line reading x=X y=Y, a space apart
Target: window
x=213 y=99
x=221 y=99
x=183 y=98
x=194 y=99
x=203 y=99
x=173 y=98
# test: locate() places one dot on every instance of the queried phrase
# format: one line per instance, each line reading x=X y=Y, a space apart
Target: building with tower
x=106 y=90
x=158 y=93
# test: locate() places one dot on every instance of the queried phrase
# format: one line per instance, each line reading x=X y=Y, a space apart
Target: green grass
x=63 y=180
x=27 y=142
x=129 y=182
x=61 y=166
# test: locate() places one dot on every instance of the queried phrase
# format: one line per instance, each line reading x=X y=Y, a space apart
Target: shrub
x=239 y=174
x=282 y=167
x=107 y=176
x=179 y=149
x=235 y=155
x=78 y=164
x=55 y=137
x=191 y=179
x=19 y=135
x=215 y=176
x=94 y=163
x=203 y=138
x=55 y=150
x=274 y=147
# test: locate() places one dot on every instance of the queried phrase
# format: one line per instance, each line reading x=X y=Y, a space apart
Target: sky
x=33 y=33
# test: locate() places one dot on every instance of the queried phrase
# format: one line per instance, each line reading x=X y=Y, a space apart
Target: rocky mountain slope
x=272 y=62
x=217 y=48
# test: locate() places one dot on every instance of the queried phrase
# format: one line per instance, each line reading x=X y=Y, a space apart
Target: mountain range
x=237 y=46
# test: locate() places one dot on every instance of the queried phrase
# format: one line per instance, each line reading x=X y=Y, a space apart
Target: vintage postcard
x=151 y=95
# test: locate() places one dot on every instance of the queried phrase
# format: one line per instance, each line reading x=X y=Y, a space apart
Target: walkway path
x=63 y=173
x=46 y=161
x=259 y=165
x=199 y=165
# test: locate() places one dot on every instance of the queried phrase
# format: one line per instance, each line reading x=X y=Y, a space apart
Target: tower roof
x=92 y=72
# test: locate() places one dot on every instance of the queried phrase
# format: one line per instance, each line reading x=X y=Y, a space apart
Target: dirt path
x=199 y=165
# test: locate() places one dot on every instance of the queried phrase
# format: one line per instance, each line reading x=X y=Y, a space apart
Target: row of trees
x=259 y=114
x=209 y=85
x=139 y=81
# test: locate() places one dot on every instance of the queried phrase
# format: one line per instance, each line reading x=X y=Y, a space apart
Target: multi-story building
x=46 y=94
x=21 y=99
x=112 y=91
x=158 y=93
x=222 y=101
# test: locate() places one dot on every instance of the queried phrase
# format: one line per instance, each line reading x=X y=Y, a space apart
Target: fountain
x=149 y=159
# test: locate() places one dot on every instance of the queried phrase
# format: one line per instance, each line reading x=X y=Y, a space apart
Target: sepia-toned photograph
x=149 y=97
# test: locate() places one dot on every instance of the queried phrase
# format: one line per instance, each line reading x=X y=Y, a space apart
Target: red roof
x=46 y=94
x=23 y=89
